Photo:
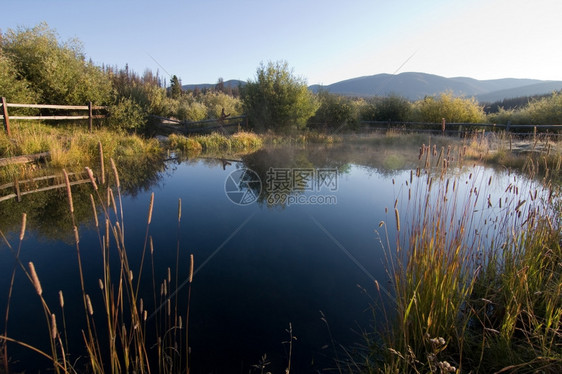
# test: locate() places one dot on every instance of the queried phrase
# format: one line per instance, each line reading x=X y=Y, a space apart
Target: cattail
x=23 y=223
x=68 y=191
x=35 y=279
x=76 y=236
x=94 y=210
x=169 y=275
x=190 y=268
x=89 y=305
x=131 y=275
x=165 y=287
x=54 y=330
x=115 y=173
x=92 y=179
x=179 y=210
x=100 y=282
x=102 y=167
x=377 y=286
x=397 y=215
x=169 y=304
x=141 y=307
x=150 y=206
x=107 y=233
x=112 y=199
x=144 y=315
x=151 y=246
x=61 y=299
x=180 y=324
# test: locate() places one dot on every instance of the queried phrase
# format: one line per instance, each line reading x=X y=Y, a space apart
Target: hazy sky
x=323 y=41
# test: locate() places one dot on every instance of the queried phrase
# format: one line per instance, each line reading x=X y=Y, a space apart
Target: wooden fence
x=191 y=127
x=89 y=108
x=29 y=186
x=461 y=128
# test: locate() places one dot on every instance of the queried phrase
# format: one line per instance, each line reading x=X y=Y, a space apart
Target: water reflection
x=257 y=269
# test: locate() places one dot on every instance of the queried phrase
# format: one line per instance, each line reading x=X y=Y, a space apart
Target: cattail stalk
x=92 y=179
x=68 y=191
x=190 y=268
x=397 y=216
x=35 y=279
x=23 y=224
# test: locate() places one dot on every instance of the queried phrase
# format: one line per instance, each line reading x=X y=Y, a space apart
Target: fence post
x=90 y=116
x=6 y=117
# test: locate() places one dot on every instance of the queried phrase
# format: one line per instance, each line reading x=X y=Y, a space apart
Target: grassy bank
x=73 y=147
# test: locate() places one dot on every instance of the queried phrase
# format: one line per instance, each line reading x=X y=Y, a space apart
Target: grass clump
x=215 y=143
x=476 y=282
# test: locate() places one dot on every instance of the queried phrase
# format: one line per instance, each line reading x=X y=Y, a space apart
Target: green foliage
x=390 y=108
x=539 y=111
x=453 y=109
x=12 y=87
x=546 y=111
x=175 y=87
x=277 y=99
x=335 y=112
x=57 y=72
x=126 y=114
x=215 y=102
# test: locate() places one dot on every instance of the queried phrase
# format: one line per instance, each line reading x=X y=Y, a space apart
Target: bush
x=126 y=114
x=277 y=99
x=391 y=108
x=453 y=109
x=335 y=111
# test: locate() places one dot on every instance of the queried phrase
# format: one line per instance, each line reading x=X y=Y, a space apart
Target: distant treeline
x=35 y=67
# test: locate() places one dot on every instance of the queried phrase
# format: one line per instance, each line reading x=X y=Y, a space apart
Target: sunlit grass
x=476 y=283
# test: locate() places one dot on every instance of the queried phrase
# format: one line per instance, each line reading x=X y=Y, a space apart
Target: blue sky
x=323 y=41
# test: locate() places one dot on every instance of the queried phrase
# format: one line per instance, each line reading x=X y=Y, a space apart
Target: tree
x=57 y=72
x=175 y=87
x=277 y=99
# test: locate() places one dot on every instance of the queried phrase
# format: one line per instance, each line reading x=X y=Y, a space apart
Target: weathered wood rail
x=192 y=127
x=89 y=108
x=18 y=185
x=461 y=128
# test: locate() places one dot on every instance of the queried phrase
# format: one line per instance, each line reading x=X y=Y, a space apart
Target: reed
x=124 y=319
x=476 y=283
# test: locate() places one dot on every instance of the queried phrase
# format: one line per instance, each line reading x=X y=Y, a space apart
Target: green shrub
x=453 y=109
x=126 y=114
x=277 y=99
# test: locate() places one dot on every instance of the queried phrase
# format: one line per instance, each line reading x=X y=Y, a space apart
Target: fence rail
x=457 y=127
x=90 y=116
x=190 y=127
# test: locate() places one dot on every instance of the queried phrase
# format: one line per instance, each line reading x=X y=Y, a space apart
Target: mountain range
x=414 y=86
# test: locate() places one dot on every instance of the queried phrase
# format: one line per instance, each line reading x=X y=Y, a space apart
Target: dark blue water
x=307 y=256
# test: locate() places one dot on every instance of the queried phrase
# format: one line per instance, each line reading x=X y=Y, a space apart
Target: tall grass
x=476 y=282
x=239 y=142
x=119 y=334
x=70 y=147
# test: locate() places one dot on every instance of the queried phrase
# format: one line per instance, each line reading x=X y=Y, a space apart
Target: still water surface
x=307 y=248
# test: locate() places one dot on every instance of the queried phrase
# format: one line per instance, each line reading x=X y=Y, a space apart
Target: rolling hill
x=415 y=86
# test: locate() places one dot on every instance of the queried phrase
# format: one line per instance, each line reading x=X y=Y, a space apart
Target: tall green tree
x=277 y=99
x=175 y=87
x=57 y=72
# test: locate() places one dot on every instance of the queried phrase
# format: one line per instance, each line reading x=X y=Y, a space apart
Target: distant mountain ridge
x=414 y=86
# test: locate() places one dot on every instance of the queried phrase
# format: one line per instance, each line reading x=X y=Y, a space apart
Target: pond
x=285 y=241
